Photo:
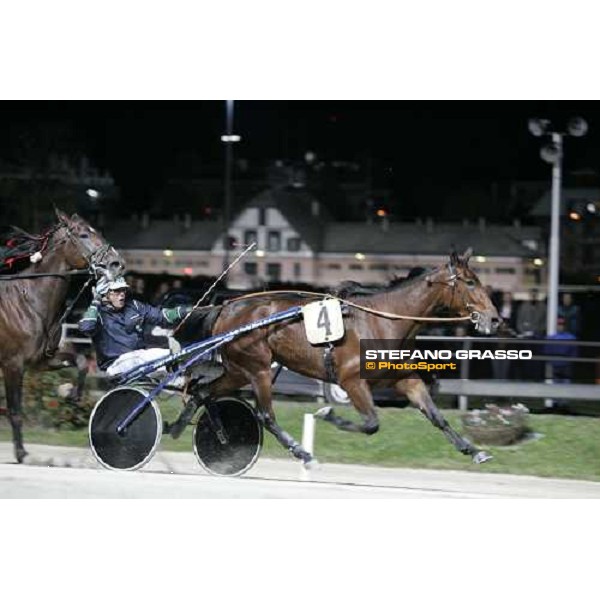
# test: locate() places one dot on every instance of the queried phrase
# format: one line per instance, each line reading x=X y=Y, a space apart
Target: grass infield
x=569 y=447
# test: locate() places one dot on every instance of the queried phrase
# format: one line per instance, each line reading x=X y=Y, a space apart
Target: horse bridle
x=93 y=257
x=96 y=257
x=475 y=315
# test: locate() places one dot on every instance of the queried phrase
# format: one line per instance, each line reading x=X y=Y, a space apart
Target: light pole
x=228 y=139
x=553 y=154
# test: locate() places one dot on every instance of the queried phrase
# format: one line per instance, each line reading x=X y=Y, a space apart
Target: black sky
x=440 y=144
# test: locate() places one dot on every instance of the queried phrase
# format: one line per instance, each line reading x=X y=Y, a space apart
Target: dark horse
x=32 y=305
x=453 y=287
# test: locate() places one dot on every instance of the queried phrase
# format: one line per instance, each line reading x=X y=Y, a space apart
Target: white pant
x=135 y=358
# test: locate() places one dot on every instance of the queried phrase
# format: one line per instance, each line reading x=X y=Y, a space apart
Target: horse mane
x=354 y=289
x=401 y=282
x=16 y=247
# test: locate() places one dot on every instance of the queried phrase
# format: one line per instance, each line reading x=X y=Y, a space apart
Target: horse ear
x=454 y=258
x=61 y=216
x=464 y=259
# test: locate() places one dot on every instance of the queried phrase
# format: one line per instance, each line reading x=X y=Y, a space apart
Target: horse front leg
x=261 y=384
x=360 y=394
x=416 y=391
x=13 y=385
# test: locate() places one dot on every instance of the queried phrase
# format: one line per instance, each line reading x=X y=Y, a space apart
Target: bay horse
x=32 y=302
x=453 y=287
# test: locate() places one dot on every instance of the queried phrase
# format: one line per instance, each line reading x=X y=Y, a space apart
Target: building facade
x=298 y=242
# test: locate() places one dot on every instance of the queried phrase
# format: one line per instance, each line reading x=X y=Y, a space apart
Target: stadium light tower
x=228 y=139
x=552 y=153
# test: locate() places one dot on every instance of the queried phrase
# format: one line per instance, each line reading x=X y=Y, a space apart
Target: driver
x=115 y=323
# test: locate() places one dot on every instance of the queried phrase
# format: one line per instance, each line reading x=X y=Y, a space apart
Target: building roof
x=338 y=237
x=301 y=209
x=414 y=238
x=201 y=235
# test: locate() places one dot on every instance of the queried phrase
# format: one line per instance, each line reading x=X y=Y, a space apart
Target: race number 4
x=323 y=321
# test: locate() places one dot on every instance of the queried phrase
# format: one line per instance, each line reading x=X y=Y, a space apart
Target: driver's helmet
x=119 y=283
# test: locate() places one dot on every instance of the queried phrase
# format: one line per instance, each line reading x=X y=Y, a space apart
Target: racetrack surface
x=67 y=472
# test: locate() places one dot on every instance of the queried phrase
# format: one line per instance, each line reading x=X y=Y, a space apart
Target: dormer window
x=274 y=241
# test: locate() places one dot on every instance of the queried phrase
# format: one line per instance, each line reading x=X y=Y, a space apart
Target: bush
x=496 y=426
x=44 y=406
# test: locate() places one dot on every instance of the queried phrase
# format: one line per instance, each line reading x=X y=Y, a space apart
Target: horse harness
x=328 y=354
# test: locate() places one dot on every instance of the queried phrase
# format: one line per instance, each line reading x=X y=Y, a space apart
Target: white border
x=258 y=448
x=152 y=452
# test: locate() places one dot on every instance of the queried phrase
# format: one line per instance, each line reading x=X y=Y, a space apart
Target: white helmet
x=118 y=283
x=104 y=285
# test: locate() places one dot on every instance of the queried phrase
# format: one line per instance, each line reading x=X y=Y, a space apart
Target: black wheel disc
x=132 y=448
x=234 y=450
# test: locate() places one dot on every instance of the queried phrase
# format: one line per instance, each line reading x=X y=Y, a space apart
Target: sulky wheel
x=136 y=445
x=228 y=437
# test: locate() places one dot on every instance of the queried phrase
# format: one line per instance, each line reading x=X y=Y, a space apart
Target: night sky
x=425 y=146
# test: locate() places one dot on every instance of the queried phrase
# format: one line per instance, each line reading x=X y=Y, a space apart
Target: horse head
x=84 y=247
x=464 y=294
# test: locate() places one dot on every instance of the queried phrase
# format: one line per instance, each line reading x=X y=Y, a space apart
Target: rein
x=34 y=275
x=380 y=313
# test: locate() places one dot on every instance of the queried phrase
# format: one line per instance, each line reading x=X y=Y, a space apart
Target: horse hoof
x=324 y=413
x=311 y=464
x=481 y=457
x=20 y=455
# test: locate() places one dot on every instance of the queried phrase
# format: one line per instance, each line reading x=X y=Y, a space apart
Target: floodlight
x=577 y=127
x=538 y=127
x=550 y=153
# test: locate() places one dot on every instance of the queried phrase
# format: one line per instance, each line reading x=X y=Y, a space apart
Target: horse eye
x=470 y=284
x=84 y=236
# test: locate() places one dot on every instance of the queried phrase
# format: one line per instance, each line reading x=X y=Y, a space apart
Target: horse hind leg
x=362 y=400
x=13 y=384
x=261 y=384
x=81 y=363
x=417 y=393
